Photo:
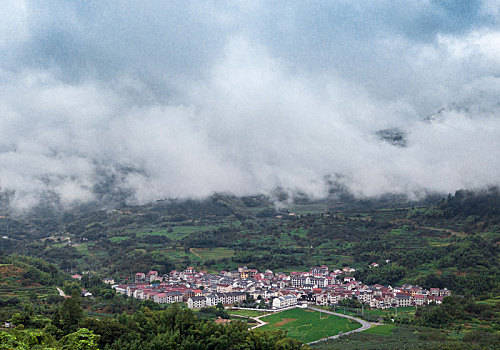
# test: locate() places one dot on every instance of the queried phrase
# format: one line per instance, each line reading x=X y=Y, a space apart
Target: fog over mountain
x=185 y=98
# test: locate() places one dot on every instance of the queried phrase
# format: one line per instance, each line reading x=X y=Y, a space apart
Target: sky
x=178 y=99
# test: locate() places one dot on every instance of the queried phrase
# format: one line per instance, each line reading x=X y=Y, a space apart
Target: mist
x=179 y=100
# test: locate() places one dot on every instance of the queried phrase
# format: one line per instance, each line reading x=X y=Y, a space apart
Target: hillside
x=430 y=245
x=425 y=243
x=25 y=280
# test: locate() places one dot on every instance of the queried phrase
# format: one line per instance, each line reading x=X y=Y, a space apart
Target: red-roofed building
x=420 y=299
x=139 y=277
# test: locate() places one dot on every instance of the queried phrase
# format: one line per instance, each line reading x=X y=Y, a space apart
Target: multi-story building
x=285 y=301
x=197 y=302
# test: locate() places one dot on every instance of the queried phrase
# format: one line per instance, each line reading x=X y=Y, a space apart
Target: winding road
x=364 y=325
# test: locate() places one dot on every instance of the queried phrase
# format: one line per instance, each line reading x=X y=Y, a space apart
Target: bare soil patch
x=284 y=322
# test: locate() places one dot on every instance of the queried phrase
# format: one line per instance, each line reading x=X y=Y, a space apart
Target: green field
x=117 y=239
x=402 y=311
x=385 y=329
x=249 y=313
x=214 y=253
x=399 y=337
x=307 y=325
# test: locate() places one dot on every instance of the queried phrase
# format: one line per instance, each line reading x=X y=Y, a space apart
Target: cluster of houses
x=278 y=290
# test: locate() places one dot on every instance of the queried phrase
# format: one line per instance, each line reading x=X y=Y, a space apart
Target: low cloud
x=250 y=115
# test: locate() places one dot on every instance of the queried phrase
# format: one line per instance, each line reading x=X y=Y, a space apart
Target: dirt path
x=195 y=253
x=450 y=231
x=415 y=225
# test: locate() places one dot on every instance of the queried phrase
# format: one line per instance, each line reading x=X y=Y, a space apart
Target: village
x=267 y=290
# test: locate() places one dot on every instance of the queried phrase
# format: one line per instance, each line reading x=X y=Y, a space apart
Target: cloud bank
x=181 y=99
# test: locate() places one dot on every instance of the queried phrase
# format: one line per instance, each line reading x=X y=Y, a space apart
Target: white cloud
x=252 y=115
x=483 y=43
x=13 y=26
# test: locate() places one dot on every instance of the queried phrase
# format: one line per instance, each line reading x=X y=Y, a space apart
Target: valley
x=440 y=245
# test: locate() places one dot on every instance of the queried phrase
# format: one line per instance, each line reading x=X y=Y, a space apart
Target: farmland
x=213 y=253
x=308 y=325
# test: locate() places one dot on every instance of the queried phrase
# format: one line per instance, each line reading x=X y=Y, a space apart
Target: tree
x=82 y=339
x=107 y=329
x=9 y=341
x=350 y=303
x=289 y=344
x=18 y=319
x=71 y=312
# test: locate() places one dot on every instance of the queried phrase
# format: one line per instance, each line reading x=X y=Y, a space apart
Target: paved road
x=364 y=325
x=61 y=293
x=256 y=319
x=260 y=322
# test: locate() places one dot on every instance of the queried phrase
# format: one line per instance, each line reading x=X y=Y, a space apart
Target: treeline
x=484 y=204
x=457 y=310
x=466 y=210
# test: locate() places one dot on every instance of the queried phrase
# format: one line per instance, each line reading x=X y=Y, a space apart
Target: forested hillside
x=452 y=244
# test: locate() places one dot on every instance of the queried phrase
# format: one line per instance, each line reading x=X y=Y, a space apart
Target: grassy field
x=307 y=325
x=249 y=313
x=373 y=315
x=214 y=253
x=180 y=254
x=385 y=329
x=390 y=337
x=117 y=239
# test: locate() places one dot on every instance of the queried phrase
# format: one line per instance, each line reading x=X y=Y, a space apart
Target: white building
x=403 y=300
x=168 y=298
x=286 y=301
x=197 y=302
